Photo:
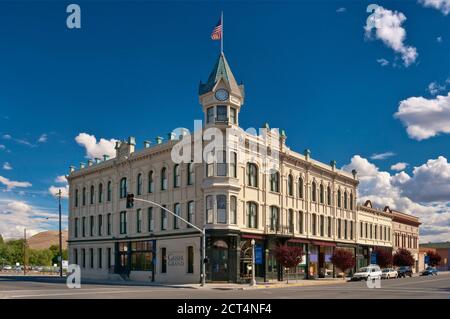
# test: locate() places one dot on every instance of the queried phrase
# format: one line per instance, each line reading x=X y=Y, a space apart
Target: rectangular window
x=329 y=226
x=163 y=261
x=91 y=231
x=322 y=230
x=233 y=164
x=351 y=230
x=371 y=231
x=221 y=113
x=100 y=258
x=361 y=229
x=191 y=175
x=300 y=222
x=83 y=257
x=190 y=213
x=108 y=221
x=138 y=220
x=100 y=224
x=274 y=218
x=91 y=257
x=123 y=222
x=345 y=229
x=291 y=221
x=75 y=256
x=233 y=210
x=177 y=211
x=190 y=260
x=367 y=231
x=163 y=218
x=222 y=209
x=75 y=226
x=339 y=228
x=150 y=219
x=210 y=115
x=83 y=226
x=314 y=224
x=209 y=209
x=221 y=163
x=233 y=115
x=108 y=251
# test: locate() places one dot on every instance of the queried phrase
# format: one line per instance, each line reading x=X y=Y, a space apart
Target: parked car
x=404 y=271
x=388 y=273
x=368 y=273
x=429 y=271
x=7 y=267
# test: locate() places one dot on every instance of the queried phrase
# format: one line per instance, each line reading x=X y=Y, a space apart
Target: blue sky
x=308 y=66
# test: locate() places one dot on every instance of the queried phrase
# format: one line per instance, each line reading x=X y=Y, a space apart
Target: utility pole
x=24 y=251
x=60 y=235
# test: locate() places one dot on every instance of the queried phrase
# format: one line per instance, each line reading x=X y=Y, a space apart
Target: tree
x=403 y=257
x=1 y=240
x=288 y=256
x=433 y=258
x=41 y=257
x=384 y=257
x=343 y=259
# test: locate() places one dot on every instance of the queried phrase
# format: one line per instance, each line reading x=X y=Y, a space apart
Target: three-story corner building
x=299 y=201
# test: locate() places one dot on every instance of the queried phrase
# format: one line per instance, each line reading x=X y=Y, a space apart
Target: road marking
x=87 y=293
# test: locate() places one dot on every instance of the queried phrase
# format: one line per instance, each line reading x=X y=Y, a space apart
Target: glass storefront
x=219 y=260
x=313 y=268
x=246 y=259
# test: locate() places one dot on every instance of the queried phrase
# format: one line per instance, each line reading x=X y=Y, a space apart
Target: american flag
x=217 y=31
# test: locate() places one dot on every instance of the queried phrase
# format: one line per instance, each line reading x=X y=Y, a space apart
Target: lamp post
x=253 y=262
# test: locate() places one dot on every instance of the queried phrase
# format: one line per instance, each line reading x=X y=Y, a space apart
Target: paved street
x=409 y=288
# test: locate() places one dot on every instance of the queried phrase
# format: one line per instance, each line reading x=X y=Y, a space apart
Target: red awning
x=252 y=236
x=323 y=243
x=296 y=240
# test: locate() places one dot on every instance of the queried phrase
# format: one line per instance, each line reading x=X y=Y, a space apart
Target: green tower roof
x=222 y=71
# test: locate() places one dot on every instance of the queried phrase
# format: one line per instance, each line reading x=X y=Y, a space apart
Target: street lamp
x=253 y=262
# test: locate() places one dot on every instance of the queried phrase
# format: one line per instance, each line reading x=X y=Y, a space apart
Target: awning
x=323 y=243
x=252 y=236
x=296 y=240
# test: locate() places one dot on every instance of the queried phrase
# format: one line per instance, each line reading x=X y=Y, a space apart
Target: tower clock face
x=221 y=94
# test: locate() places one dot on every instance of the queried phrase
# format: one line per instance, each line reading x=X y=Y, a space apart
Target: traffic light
x=130 y=200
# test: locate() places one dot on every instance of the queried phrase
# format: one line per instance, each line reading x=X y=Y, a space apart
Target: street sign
x=258 y=255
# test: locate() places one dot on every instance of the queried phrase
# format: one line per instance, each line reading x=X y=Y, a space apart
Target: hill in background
x=46 y=239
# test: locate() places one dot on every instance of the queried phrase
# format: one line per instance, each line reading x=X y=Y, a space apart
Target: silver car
x=388 y=273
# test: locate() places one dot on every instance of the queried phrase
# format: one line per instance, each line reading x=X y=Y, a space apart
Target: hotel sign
x=175 y=260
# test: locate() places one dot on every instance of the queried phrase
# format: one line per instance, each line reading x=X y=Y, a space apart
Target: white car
x=388 y=273
x=368 y=273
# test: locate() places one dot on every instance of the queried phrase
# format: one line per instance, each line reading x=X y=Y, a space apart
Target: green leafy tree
x=54 y=249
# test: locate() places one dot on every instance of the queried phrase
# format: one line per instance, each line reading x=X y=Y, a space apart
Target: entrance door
x=321 y=262
x=219 y=261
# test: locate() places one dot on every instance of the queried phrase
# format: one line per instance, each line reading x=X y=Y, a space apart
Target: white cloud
x=54 y=190
x=388 y=28
x=7 y=137
x=397 y=191
x=61 y=179
x=441 y=5
x=94 y=149
x=18 y=215
x=434 y=88
x=439 y=39
x=399 y=166
x=2 y=147
x=341 y=10
x=7 y=166
x=382 y=156
x=383 y=62
x=13 y=184
x=425 y=118
x=43 y=138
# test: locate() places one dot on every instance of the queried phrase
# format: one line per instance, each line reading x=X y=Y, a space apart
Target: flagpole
x=221 y=38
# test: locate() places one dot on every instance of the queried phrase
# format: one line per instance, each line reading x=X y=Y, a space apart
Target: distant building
x=443 y=249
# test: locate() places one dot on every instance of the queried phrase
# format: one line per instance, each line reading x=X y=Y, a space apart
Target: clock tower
x=221 y=97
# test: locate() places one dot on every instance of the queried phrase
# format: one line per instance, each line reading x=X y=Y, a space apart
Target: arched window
x=177 y=211
x=321 y=195
x=191 y=213
x=275 y=182
x=313 y=191
x=83 y=196
x=233 y=210
x=163 y=178
x=252 y=215
x=139 y=184
x=345 y=199
x=300 y=187
x=123 y=191
x=92 y=193
x=100 y=192
x=274 y=218
x=190 y=174
x=151 y=184
x=329 y=195
x=351 y=201
x=290 y=185
x=76 y=197
x=314 y=224
x=252 y=175
x=109 y=191
x=176 y=175
x=339 y=200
